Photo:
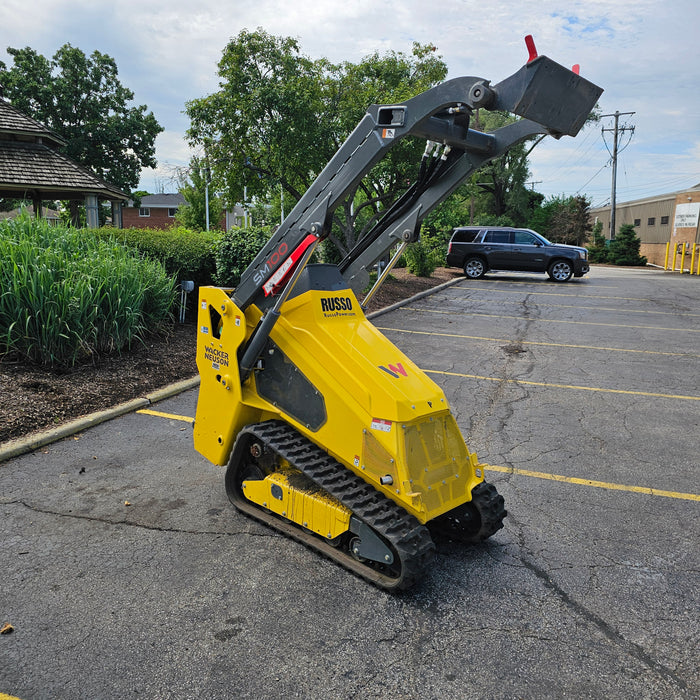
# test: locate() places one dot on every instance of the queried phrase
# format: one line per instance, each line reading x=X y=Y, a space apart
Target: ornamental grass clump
x=67 y=297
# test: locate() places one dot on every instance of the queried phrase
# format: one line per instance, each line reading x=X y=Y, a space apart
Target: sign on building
x=687 y=215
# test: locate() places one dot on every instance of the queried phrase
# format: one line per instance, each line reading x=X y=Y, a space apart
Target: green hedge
x=185 y=254
x=67 y=295
x=235 y=250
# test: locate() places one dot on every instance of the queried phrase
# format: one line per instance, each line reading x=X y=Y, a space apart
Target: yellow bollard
x=682 y=257
x=668 y=246
x=692 y=259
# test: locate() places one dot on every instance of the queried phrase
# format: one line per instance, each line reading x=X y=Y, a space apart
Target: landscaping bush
x=185 y=254
x=67 y=296
x=624 y=249
x=235 y=250
x=420 y=260
x=598 y=252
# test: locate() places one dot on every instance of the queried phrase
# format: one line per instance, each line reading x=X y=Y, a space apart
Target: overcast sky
x=645 y=54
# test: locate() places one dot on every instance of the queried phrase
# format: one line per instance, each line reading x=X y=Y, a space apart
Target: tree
x=563 y=220
x=82 y=100
x=504 y=177
x=193 y=188
x=598 y=251
x=279 y=117
x=624 y=248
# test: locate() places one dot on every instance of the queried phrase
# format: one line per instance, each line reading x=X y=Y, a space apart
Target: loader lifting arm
x=550 y=99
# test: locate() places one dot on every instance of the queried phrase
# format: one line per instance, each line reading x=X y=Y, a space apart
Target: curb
x=415 y=297
x=16 y=448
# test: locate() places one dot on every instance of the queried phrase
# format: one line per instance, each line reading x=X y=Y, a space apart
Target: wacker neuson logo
x=337 y=306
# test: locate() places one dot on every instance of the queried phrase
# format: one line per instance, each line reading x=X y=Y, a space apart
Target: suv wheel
x=560 y=271
x=474 y=268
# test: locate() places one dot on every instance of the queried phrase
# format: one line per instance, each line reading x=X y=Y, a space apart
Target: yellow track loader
x=329 y=433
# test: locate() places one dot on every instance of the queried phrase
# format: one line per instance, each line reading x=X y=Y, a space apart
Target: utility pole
x=616 y=131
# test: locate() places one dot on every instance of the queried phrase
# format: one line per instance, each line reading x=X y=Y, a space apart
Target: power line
x=616 y=131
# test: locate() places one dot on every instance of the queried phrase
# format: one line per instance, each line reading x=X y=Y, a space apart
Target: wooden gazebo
x=31 y=167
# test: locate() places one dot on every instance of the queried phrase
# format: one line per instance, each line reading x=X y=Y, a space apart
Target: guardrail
x=672 y=253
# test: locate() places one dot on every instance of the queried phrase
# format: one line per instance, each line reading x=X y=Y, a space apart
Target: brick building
x=156 y=211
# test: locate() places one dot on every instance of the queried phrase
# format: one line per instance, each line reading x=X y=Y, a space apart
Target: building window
x=144 y=211
x=651 y=221
x=172 y=211
x=664 y=220
x=637 y=222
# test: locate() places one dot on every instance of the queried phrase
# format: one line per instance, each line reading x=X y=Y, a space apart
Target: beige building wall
x=653 y=218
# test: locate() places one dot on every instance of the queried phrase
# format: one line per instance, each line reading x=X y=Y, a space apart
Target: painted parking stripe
x=172 y=416
x=532 y=342
x=578 y=307
x=492 y=290
x=522 y=472
x=595 y=484
x=575 y=387
x=549 y=320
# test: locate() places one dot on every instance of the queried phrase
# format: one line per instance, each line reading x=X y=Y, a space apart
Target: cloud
x=643 y=53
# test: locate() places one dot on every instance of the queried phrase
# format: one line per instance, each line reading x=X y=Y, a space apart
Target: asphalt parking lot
x=126 y=573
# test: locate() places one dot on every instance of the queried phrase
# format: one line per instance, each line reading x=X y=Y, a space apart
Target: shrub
x=235 y=250
x=420 y=260
x=68 y=296
x=598 y=252
x=185 y=254
x=624 y=249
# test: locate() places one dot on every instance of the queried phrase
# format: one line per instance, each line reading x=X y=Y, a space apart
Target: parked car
x=480 y=249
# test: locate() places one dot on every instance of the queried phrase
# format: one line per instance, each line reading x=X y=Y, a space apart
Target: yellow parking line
x=549 y=320
x=521 y=472
x=554 y=294
x=579 y=307
x=596 y=484
x=532 y=342
x=566 y=386
x=173 y=416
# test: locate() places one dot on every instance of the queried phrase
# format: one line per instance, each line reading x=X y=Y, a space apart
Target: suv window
x=524 y=238
x=465 y=235
x=497 y=237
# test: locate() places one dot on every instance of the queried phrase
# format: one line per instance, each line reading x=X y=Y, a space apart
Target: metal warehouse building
x=667 y=218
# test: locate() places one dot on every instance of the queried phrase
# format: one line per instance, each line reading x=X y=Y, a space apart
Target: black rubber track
x=413 y=547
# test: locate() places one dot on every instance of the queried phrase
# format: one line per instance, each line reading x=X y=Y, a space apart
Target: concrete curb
x=415 y=297
x=15 y=448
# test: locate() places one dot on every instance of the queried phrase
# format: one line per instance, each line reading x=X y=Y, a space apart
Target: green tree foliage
x=81 y=99
x=563 y=220
x=624 y=248
x=279 y=117
x=503 y=179
x=598 y=251
x=193 y=214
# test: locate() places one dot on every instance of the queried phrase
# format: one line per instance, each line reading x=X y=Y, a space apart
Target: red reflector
x=576 y=69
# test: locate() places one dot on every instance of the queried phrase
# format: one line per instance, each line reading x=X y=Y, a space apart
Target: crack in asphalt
x=133 y=523
x=631 y=648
